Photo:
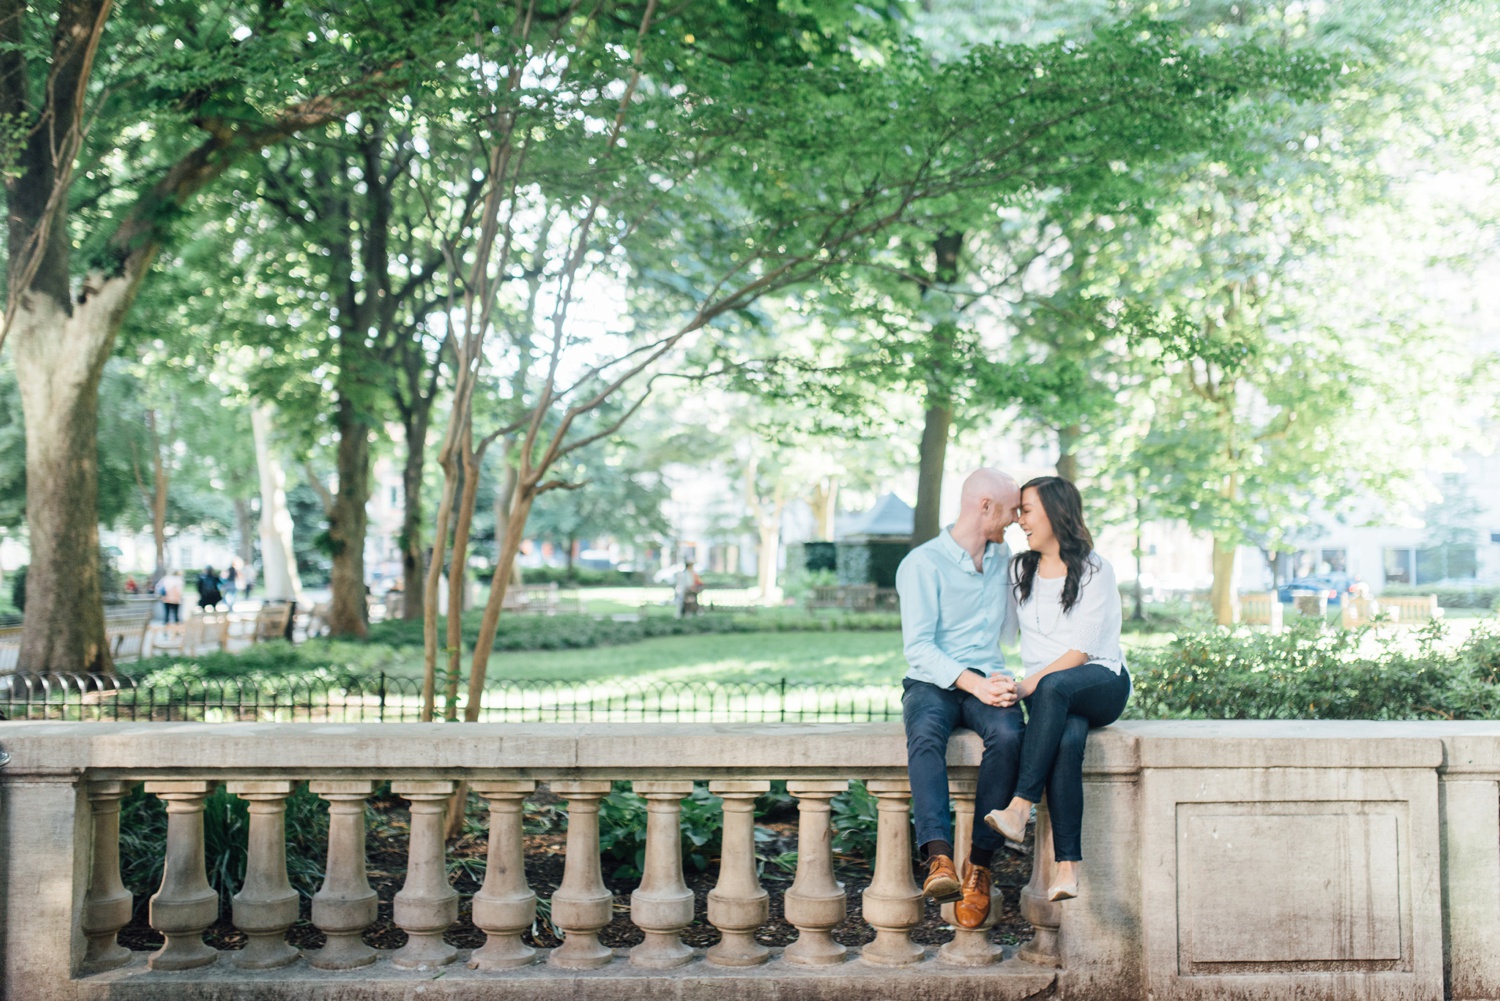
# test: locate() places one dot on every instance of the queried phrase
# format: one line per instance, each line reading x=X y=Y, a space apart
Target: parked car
x=1332 y=586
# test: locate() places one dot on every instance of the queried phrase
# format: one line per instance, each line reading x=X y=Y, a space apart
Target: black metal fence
x=119 y=697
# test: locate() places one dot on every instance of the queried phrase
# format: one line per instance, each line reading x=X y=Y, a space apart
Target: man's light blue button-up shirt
x=952 y=615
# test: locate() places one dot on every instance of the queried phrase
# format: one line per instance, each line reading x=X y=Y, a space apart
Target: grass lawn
x=836 y=658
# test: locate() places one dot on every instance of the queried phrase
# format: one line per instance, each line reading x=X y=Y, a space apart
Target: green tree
x=101 y=169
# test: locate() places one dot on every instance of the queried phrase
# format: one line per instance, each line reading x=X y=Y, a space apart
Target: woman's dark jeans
x=1060 y=713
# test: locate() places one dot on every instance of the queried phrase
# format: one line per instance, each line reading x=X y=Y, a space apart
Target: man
x=953 y=609
x=685 y=588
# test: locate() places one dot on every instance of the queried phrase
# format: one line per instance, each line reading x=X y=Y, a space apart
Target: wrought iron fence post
x=382 y=696
x=783 y=700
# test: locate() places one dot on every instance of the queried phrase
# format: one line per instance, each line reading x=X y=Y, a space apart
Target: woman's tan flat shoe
x=1063 y=891
x=1005 y=823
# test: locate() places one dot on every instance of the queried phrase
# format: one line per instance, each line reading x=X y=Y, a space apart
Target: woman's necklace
x=1036 y=611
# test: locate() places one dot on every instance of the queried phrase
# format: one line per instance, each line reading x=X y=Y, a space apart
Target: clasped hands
x=995 y=690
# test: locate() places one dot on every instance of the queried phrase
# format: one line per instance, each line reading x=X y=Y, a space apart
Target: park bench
x=853 y=597
x=1261 y=610
x=124 y=631
x=540 y=599
x=10 y=648
x=199 y=634
x=1411 y=609
x=125 y=628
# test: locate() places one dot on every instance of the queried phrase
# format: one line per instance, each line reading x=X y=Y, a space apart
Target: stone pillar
x=266 y=905
x=107 y=907
x=345 y=905
x=185 y=905
x=426 y=905
x=970 y=946
x=582 y=905
x=892 y=903
x=815 y=904
x=737 y=905
x=1045 y=915
x=504 y=907
x=663 y=905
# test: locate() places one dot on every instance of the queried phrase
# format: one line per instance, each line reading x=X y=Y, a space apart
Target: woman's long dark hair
x=1064 y=509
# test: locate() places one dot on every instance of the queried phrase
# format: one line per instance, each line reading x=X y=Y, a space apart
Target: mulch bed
x=386 y=844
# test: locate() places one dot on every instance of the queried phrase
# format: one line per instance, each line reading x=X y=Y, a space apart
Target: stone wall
x=1222 y=859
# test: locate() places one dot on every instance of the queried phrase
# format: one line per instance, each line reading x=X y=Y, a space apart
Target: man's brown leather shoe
x=941 y=883
x=971 y=911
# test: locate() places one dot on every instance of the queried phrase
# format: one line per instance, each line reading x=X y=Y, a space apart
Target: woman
x=1068 y=607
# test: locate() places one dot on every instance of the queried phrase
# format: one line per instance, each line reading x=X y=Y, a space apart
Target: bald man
x=953 y=612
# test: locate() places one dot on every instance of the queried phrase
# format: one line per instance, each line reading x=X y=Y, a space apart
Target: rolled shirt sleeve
x=918 y=584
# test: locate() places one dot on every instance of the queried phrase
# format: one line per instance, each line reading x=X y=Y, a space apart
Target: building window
x=395 y=496
x=1399 y=568
x=1457 y=562
x=1495 y=538
x=1334 y=561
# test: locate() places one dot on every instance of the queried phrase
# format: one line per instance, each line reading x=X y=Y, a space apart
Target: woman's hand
x=1027 y=685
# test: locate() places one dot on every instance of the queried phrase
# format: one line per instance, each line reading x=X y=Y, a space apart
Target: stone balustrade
x=1233 y=859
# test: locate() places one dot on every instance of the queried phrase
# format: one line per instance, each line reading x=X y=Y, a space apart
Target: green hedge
x=571 y=632
x=1452 y=595
x=1309 y=672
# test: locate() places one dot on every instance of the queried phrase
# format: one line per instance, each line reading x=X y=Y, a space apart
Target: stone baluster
x=892 y=903
x=427 y=904
x=266 y=905
x=504 y=907
x=1045 y=915
x=107 y=907
x=737 y=905
x=663 y=905
x=185 y=905
x=345 y=905
x=582 y=905
x=970 y=946
x=815 y=904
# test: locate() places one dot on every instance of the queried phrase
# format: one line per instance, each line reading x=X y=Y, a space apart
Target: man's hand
x=996 y=690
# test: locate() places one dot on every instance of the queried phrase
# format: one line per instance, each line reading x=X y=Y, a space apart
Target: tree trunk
x=244 y=522
x=412 y=549
x=825 y=506
x=457 y=581
x=766 y=559
x=515 y=531
x=160 y=484
x=347 y=521
x=1067 y=456
x=59 y=360
x=927 y=521
x=937 y=423
x=1225 y=601
x=1139 y=614
x=279 y=580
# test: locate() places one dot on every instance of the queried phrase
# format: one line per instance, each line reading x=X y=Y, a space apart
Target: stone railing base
x=931 y=980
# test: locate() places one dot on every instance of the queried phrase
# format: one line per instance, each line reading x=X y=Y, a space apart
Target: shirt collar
x=958 y=554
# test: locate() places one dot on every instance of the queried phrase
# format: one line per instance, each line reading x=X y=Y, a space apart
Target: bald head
x=986 y=506
x=989 y=485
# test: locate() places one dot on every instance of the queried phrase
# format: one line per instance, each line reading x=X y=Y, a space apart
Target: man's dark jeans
x=931 y=714
x=1060 y=713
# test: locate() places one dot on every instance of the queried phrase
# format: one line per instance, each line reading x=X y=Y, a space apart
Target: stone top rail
x=708 y=750
x=1247 y=859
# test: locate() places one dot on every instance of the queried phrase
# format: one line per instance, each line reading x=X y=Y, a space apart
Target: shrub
x=855 y=818
x=1474 y=595
x=567 y=632
x=580 y=577
x=622 y=829
x=226 y=830
x=1308 y=672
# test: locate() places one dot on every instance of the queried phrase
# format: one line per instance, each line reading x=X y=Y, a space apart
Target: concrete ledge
x=854 y=980
x=751 y=750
